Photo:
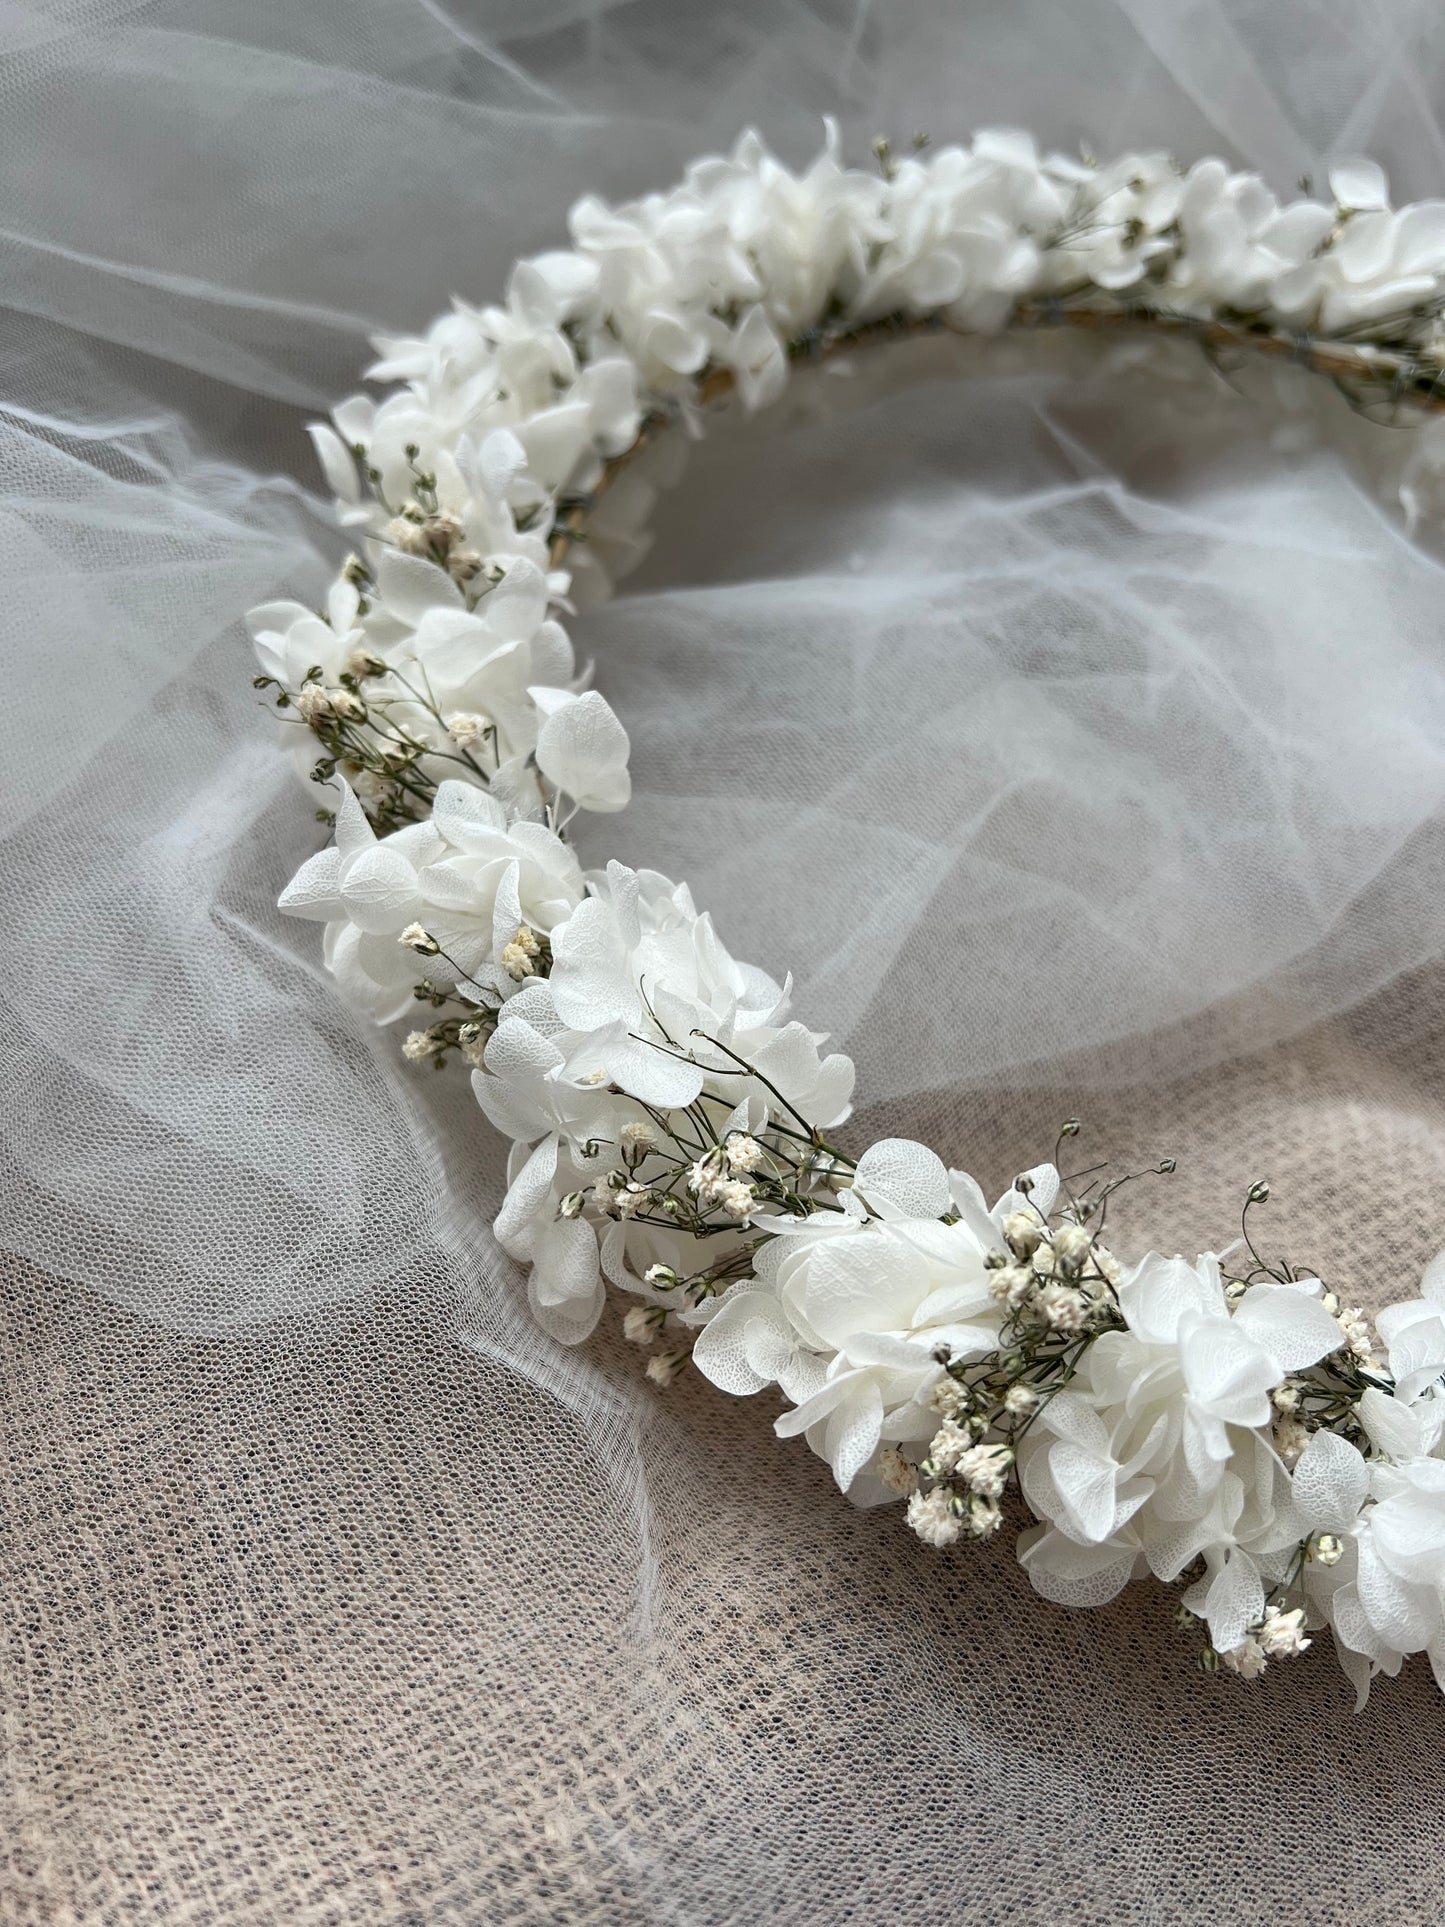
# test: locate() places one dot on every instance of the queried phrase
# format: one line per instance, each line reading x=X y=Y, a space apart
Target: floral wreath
x=1224 y=1423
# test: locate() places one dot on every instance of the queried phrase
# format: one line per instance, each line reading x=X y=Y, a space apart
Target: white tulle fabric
x=1089 y=721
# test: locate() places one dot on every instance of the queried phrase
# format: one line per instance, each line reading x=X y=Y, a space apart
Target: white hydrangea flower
x=845 y=1313
x=1384 y=1595
x=1156 y=1451
x=644 y=974
x=1415 y=1335
x=466 y=875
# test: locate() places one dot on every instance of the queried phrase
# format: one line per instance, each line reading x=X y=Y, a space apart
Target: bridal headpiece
x=1227 y=1424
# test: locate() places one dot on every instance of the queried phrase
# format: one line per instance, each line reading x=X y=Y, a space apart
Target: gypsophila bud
x=743 y=1153
x=1072 y=1244
x=1247 y=1659
x=312 y=702
x=1024 y=1230
x=736 y=1198
x=1290 y=1437
x=663 y=1367
x=414 y=937
x=946 y=1448
x=896 y=1474
x=1061 y=1307
x=631 y=1199
x=419 y=1043
x=640 y=1325
x=362 y=664
x=571 y=1205
x=1021 y=1400
x=517 y=963
x=1355 y=1330
x=1012 y=1285
x=933 y=1519
x=1327 y=1549
x=1281 y=1634
x=463 y=563
x=407 y=531
x=984 y=1516
x=464 y=727
x=1258 y=1193
x=984 y=1468
x=662 y=1277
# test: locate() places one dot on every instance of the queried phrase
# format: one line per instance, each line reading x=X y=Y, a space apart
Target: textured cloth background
x=1074 y=728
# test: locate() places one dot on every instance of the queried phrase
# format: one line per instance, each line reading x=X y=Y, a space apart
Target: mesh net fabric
x=1076 y=732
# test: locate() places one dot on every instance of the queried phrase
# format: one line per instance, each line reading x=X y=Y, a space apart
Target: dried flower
x=1247 y=1659
x=897 y=1475
x=743 y=1153
x=933 y=1518
x=1281 y=1634
x=640 y=1325
x=465 y=726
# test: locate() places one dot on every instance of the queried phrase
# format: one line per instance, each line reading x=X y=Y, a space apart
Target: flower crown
x=1226 y=1424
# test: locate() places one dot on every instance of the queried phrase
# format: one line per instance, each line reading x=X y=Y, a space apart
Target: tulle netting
x=1071 y=722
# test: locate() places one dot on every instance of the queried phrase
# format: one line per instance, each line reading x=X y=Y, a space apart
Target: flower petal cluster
x=644 y=1014
x=846 y=1310
x=468 y=877
x=1157 y=1454
x=1383 y=1594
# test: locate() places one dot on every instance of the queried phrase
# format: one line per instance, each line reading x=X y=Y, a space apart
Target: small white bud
x=1247 y=1659
x=736 y=1198
x=517 y=963
x=1072 y=1243
x=1023 y=1229
x=639 y=1326
x=465 y=727
x=744 y=1153
x=312 y=702
x=414 y=937
x=1281 y=1634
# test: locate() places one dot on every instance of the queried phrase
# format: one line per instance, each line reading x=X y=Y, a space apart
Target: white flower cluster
x=671 y=1125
